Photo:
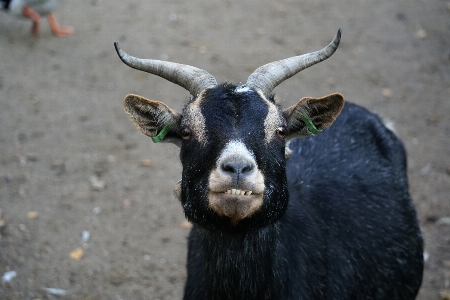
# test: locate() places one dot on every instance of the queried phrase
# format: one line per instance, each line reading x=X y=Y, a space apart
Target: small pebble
x=443 y=221
x=386 y=92
x=186 y=225
x=97 y=184
x=390 y=125
x=32 y=157
x=146 y=162
x=400 y=16
x=85 y=236
x=77 y=254
x=22 y=161
x=32 y=215
x=421 y=34
x=56 y=292
x=8 y=276
x=426 y=169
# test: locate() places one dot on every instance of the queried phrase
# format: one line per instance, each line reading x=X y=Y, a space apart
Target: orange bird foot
x=56 y=29
x=34 y=16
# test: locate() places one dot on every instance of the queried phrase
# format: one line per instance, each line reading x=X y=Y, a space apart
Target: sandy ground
x=71 y=161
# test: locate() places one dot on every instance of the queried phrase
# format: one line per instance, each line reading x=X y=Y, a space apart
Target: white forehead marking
x=236 y=148
x=196 y=121
x=242 y=89
x=272 y=121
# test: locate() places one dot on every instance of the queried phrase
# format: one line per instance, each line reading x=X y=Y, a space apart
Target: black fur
x=349 y=230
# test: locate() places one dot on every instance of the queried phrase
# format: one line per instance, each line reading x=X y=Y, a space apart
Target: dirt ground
x=72 y=162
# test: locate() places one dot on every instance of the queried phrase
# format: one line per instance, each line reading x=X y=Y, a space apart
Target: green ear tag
x=161 y=134
x=311 y=127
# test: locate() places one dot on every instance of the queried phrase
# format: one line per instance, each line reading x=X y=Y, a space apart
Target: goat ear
x=153 y=118
x=312 y=115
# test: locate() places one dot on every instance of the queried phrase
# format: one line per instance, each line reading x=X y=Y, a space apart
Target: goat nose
x=237 y=168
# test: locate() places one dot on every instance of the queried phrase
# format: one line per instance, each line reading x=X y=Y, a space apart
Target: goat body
x=334 y=221
x=349 y=231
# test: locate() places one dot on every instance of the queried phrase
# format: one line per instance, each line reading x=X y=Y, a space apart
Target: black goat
x=335 y=221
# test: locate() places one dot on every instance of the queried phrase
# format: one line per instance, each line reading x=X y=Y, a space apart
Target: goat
x=334 y=221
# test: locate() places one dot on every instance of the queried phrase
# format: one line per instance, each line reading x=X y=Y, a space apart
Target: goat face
x=232 y=139
x=233 y=163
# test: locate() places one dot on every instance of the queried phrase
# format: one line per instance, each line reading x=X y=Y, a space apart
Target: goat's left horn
x=267 y=77
x=191 y=78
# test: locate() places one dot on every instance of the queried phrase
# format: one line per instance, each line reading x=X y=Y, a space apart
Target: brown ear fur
x=321 y=111
x=149 y=116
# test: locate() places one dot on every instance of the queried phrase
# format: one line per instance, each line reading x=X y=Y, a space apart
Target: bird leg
x=34 y=16
x=58 y=31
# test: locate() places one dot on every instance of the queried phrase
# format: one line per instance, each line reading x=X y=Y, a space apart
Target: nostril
x=237 y=167
x=229 y=168
x=247 y=168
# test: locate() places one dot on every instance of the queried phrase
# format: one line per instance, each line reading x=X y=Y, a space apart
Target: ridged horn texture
x=191 y=78
x=267 y=77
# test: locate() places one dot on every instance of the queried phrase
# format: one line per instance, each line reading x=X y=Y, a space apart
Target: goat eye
x=281 y=132
x=185 y=133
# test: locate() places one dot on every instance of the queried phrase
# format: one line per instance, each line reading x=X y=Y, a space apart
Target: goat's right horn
x=191 y=78
x=267 y=77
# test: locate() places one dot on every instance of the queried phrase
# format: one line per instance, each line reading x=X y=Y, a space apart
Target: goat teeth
x=238 y=192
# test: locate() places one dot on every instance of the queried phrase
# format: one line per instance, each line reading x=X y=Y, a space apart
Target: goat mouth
x=235 y=204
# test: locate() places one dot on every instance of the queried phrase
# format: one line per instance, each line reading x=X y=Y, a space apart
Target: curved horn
x=267 y=77
x=191 y=78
